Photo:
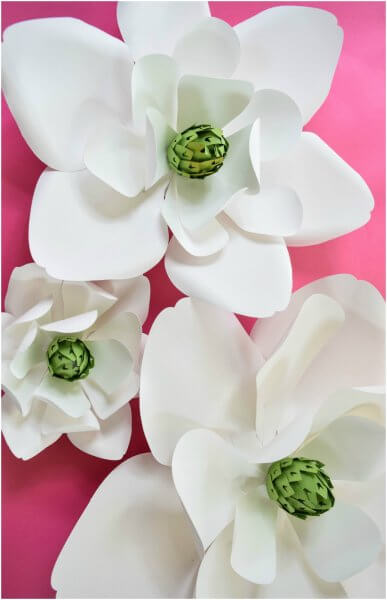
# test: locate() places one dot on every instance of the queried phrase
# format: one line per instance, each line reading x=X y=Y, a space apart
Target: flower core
x=198 y=151
x=300 y=486
x=69 y=358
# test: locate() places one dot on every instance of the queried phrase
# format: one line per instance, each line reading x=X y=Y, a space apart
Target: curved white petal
x=155 y=27
x=294 y=578
x=23 y=434
x=349 y=531
x=280 y=122
x=209 y=474
x=55 y=421
x=104 y=404
x=112 y=439
x=27 y=286
x=293 y=49
x=335 y=199
x=116 y=155
x=208 y=239
x=111 y=236
x=83 y=75
x=355 y=355
x=82 y=297
x=133 y=295
x=216 y=578
x=253 y=554
x=370 y=583
x=112 y=363
x=158 y=137
x=73 y=324
x=208 y=100
x=275 y=210
x=37 y=311
x=277 y=402
x=66 y=395
x=30 y=353
x=154 y=85
x=198 y=370
x=199 y=200
x=123 y=327
x=352 y=448
x=135 y=507
x=251 y=275
x=210 y=48
x=22 y=390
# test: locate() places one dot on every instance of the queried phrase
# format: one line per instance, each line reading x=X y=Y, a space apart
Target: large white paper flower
x=304 y=384
x=71 y=353
x=103 y=113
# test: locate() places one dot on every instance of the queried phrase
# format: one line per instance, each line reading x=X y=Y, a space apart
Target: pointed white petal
x=66 y=395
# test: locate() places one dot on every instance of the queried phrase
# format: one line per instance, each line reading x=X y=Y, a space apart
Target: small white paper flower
x=70 y=364
x=105 y=115
x=222 y=406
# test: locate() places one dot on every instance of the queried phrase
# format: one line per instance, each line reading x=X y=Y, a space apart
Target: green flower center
x=69 y=358
x=198 y=151
x=300 y=486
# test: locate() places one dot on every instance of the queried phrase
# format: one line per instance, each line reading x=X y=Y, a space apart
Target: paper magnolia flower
x=71 y=353
x=192 y=124
x=277 y=448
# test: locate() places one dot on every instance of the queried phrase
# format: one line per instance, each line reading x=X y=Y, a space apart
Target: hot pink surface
x=43 y=497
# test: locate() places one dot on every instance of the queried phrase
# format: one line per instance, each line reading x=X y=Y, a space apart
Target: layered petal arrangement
x=71 y=361
x=276 y=443
x=188 y=123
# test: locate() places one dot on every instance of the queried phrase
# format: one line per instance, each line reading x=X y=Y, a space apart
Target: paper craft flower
x=191 y=123
x=71 y=353
x=223 y=407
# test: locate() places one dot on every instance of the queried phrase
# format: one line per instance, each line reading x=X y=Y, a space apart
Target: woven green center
x=300 y=486
x=198 y=151
x=69 y=358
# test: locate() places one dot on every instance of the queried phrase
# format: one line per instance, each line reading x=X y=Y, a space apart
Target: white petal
x=112 y=364
x=291 y=49
x=27 y=286
x=22 y=390
x=83 y=297
x=209 y=474
x=198 y=370
x=105 y=405
x=207 y=100
x=370 y=583
x=83 y=74
x=66 y=395
x=275 y=210
x=251 y=275
x=111 y=236
x=210 y=48
x=35 y=312
x=55 y=421
x=277 y=402
x=154 y=85
x=355 y=355
x=116 y=155
x=335 y=199
x=111 y=441
x=158 y=137
x=352 y=448
x=203 y=241
x=133 y=295
x=216 y=578
x=25 y=360
x=155 y=27
x=280 y=122
x=73 y=324
x=345 y=529
x=253 y=554
x=24 y=435
x=199 y=200
x=123 y=327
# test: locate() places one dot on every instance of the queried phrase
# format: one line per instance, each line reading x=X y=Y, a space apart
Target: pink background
x=43 y=497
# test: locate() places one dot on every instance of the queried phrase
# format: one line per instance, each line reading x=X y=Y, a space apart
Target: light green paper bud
x=69 y=358
x=198 y=151
x=300 y=486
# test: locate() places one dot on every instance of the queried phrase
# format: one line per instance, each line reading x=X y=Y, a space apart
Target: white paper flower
x=70 y=364
x=104 y=123
x=310 y=377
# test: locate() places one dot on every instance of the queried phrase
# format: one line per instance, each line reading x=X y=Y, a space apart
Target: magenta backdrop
x=43 y=497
